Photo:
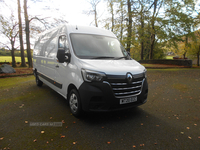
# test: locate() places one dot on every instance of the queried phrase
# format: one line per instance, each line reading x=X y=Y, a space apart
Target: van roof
x=88 y=30
x=68 y=29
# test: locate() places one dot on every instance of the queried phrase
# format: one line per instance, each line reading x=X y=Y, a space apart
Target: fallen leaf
x=157 y=125
x=63 y=121
x=176 y=139
x=47 y=142
x=2 y=138
x=134 y=146
x=62 y=136
x=35 y=140
x=74 y=143
x=66 y=127
x=177 y=117
x=199 y=137
x=74 y=122
x=155 y=143
x=108 y=142
x=51 y=139
x=42 y=132
x=190 y=137
x=141 y=124
x=51 y=117
x=195 y=124
x=188 y=128
x=26 y=121
x=182 y=132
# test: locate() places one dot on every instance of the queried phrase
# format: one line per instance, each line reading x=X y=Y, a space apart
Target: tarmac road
x=170 y=120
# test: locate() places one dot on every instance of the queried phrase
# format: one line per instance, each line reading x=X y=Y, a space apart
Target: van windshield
x=97 y=47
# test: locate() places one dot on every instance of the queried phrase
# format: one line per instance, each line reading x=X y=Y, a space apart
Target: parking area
x=169 y=120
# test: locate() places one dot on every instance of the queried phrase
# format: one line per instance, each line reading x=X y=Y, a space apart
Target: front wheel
x=75 y=103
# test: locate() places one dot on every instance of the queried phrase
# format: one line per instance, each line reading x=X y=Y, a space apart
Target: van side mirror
x=61 y=55
x=68 y=58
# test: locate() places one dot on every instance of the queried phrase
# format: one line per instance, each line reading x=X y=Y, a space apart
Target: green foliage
x=168 y=20
x=9 y=59
x=4 y=52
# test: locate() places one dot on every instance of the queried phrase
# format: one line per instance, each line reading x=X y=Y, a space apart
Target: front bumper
x=97 y=96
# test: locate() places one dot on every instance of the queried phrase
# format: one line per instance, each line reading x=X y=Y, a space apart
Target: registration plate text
x=128 y=100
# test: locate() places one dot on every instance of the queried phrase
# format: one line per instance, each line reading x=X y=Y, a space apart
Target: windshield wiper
x=101 y=57
x=115 y=58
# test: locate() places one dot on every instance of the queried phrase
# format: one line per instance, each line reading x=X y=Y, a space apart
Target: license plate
x=128 y=100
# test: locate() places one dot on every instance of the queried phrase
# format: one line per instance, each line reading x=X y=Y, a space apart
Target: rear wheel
x=38 y=81
x=75 y=103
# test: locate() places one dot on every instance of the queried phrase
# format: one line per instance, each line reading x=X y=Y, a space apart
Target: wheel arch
x=70 y=87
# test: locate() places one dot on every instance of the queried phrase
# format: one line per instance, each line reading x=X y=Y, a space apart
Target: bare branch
x=5 y=45
x=41 y=20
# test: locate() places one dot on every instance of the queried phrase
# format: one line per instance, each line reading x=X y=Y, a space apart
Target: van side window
x=63 y=43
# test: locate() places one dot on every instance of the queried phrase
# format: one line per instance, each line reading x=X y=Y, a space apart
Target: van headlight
x=145 y=73
x=90 y=76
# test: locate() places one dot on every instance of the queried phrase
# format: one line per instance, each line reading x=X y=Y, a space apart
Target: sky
x=73 y=11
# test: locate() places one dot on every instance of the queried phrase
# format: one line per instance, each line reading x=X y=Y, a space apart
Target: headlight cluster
x=90 y=76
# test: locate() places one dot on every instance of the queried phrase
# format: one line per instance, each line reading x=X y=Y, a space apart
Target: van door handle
x=57 y=66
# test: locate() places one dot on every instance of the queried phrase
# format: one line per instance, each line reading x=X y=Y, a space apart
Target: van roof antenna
x=76 y=27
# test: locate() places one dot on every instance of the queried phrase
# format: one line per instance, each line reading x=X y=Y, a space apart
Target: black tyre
x=38 y=81
x=75 y=103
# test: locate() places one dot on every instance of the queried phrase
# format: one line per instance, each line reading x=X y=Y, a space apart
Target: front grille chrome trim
x=123 y=87
x=125 y=83
x=115 y=89
x=128 y=92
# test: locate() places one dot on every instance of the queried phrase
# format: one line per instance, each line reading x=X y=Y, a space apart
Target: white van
x=90 y=68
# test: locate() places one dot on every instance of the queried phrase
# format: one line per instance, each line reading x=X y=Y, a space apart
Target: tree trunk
x=198 y=56
x=23 y=63
x=142 y=35
x=28 y=49
x=186 y=46
x=121 y=21
x=112 y=13
x=153 y=34
x=95 y=16
x=13 y=54
x=129 y=25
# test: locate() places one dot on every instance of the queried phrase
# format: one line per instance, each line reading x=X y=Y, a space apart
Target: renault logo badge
x=129 y=78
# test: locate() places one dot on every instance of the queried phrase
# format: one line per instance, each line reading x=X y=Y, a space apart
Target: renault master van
x=90 y=68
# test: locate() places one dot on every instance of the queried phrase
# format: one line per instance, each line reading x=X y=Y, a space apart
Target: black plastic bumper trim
x=57 y=84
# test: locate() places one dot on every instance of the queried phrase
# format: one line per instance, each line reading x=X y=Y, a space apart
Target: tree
x=130 y=21
x=94 y=4
x=28 y=48
x=23 y=63
x=121 y=18
x=194 y=49
x=156 y=5
x=141 y=16
x=9 y=29
x=180 y=22
x=111 y=9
